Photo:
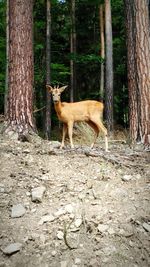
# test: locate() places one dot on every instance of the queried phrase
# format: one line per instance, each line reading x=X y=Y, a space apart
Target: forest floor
x=74 y=207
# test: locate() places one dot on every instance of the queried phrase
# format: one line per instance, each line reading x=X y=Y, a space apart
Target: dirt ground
x=93 y=211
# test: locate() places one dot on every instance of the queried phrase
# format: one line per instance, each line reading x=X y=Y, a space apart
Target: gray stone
x=12 y=248
x=126 y=178
x=77 y=261
x=46 y=218
x=69 y=208
x=17 y=211
x=2 y=188
x=99 y=189
x=102 y=228
x=60 y=212
x=146 y=226
x=60 y=235
x=37 y=193
x=54 y=252
x=78 y=222
x=63 y=264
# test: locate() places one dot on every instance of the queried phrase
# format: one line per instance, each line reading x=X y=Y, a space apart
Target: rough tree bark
x=138 y=51
x=109 y=68
x=48 y=78
x=72 y=51
x=19 y=116
x=7 y=55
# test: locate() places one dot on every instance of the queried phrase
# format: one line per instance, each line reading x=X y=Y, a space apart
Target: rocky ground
x=73 y=208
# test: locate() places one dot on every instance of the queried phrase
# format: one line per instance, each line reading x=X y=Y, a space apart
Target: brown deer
x=89 y=111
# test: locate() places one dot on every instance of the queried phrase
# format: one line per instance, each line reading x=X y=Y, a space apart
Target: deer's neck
x=58 y=107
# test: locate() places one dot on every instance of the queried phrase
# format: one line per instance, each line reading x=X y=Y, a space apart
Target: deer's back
x=80 y=111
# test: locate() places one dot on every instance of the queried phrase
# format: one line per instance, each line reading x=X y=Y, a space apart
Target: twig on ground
x=65 y=235
x=120 y=160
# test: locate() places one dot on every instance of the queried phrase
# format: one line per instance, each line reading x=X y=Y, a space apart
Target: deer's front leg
x=70 y=131
x=63 y=135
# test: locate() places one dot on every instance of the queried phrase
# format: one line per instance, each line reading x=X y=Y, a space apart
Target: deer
x=89 y=111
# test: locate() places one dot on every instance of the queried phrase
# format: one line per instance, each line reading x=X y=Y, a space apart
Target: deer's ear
x=63 y=88
x=49 y=88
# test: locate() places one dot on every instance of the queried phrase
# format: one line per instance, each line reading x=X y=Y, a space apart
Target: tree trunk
x=7 y=54
x=73 y=52
x=19 y=117
x=109 y=67
x=132 y=82
x=138 y=47
x=102 y=52
x=48 y=78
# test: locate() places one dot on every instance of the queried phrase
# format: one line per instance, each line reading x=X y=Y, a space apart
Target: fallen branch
x=113 y=159
x=36 y=110
x=114 y=141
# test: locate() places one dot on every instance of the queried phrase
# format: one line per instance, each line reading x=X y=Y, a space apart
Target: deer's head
x=56 y=92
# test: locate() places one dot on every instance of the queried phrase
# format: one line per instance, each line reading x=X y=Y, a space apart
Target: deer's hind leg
x=101 y=127
x=96 y=130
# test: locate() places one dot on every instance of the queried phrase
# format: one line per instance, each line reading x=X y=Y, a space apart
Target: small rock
x=82 y=195
x=78 y=222
x=55 y=144
x=93 y=263
x=126 y=178
x=63 y=264
x=111 y=231
x=60 y=235
x=37 y=193
x=102 y=228
x=69 y=208
x=2 y=264
x=137 y=176
x=34 y=236
x=12 y=248
x=109 y=250
x=99 y=189
x=122 y=232
x=89 y=184
x=77 y=261
x=46 y=218
x=54 y=252
x=146 y=226
x=42 y=238
x=60 y=212
x=17 y=211
x=2 y=188
x=45 y=177
x=33 y=210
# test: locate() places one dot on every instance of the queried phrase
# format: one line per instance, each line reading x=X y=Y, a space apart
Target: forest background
x=87 y=57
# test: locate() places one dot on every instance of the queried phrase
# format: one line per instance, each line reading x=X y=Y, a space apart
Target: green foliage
x=87 y=57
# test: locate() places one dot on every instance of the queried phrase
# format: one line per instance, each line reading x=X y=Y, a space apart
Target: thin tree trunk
x=102 y=52
x=19 y=115
x=7 y=54
x=109 y=67
x=73 y=52
x=48 y=78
